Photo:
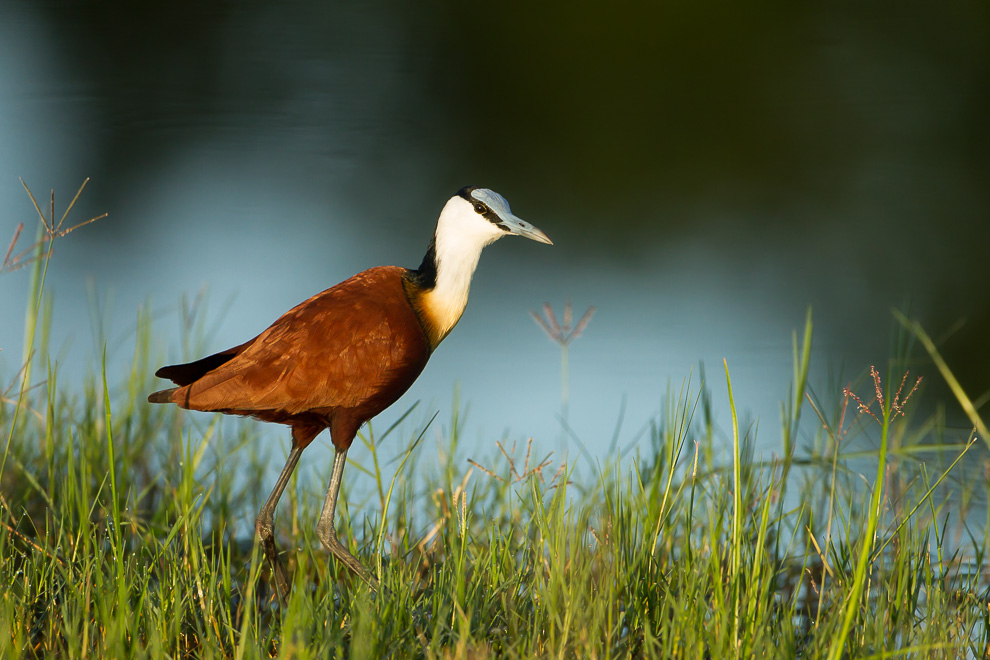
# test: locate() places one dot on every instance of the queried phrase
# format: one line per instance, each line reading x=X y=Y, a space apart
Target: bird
x=346 y=354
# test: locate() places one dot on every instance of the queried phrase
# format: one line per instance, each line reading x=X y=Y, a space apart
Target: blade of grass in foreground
x=736 y=513
x=950 y=379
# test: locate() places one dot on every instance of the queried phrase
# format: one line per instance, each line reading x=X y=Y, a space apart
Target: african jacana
x=348 y=353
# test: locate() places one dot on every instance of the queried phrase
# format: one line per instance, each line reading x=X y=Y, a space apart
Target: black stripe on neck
x=425 y=277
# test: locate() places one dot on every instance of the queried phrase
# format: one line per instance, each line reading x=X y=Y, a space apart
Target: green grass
x=125 y=531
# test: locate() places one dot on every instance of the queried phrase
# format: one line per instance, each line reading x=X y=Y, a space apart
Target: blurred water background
x=707 y=171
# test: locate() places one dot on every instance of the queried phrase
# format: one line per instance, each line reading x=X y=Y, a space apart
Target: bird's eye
x=479 y=208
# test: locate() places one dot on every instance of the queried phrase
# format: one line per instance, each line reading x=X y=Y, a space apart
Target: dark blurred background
x=707 y=170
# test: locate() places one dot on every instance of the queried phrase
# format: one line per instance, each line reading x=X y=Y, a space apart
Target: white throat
x=461 y=235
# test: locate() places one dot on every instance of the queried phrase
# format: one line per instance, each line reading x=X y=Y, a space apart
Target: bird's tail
x=162 y=396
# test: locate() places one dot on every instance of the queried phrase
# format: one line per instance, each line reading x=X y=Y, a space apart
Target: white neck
x=461 y=235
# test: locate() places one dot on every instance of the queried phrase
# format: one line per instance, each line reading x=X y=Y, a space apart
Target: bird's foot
x=279 y=576
x=343 y=555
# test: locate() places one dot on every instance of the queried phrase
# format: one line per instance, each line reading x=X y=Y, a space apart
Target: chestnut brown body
x=332 y=362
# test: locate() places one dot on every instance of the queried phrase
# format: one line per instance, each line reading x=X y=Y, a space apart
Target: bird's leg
x=265 y=525
x=325 y=529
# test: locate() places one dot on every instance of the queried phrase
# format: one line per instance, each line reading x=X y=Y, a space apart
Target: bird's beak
x=520 y=227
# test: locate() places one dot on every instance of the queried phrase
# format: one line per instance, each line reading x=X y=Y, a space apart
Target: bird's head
x=471 y=219
x=482 y=216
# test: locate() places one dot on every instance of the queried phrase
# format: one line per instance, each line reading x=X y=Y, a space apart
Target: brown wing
x=357 y=345
x=183 y=374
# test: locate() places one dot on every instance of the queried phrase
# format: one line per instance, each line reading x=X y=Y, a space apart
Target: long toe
x=342 y=555
x=279 y=576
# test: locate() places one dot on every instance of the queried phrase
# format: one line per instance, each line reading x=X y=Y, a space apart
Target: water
x=703 y=181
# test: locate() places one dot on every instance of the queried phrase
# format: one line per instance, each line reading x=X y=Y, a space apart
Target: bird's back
x=335 y=360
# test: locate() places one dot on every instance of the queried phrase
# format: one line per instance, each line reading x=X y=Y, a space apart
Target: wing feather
x=356 y=344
